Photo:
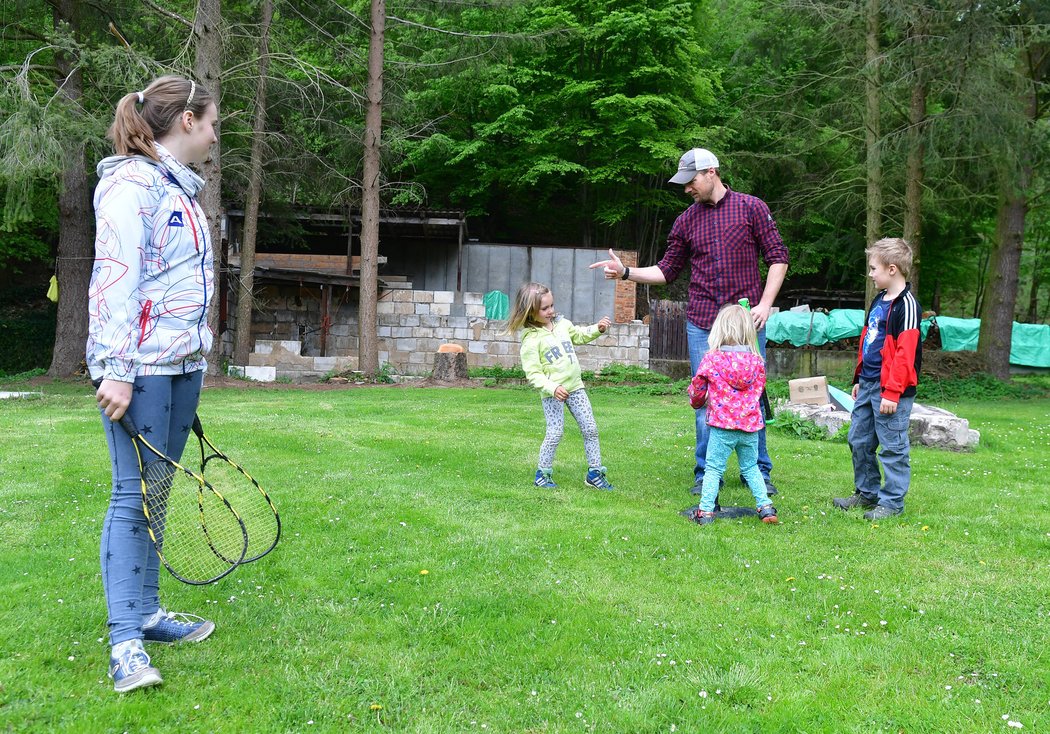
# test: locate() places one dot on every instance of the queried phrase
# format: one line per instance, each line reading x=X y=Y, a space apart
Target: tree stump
x=450 y=365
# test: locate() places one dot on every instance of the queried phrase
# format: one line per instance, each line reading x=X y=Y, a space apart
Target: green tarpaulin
x=497 y=305
x=958 y=335
x=798 y=328
x=844 y=323
x=1029 y=347
x=1029 y=343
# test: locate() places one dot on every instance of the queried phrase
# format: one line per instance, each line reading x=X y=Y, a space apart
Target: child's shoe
x=596 y=478
x=768 y=514
x=701 y=517
x=170 y=627
x=129 y=667
x=543 y=479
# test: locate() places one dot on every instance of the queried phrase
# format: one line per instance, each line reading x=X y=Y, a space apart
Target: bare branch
x=50 y=68
x=168 y=13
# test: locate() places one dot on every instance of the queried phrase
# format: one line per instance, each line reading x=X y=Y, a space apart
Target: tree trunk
x=368 y=354
x=208 y=70
x=997 y=311
x=246 y=281
x=450 y=366
x=872 y=134
x=915 y=174
x=1038 y=263
x=915 y=170
x=75 y=224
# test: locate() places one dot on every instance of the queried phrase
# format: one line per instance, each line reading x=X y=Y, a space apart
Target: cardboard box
x=810 y=390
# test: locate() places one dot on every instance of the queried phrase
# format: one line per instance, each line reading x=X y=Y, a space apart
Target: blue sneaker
x=543 y=479
x=170 y=627
x=596 y=478
x=131 y=668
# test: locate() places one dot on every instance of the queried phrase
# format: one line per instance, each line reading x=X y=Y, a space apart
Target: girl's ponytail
x=130 y=133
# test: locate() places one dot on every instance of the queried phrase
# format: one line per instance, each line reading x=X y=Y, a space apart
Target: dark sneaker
x=854 y=500
x=703 y=518
x=131 y=669
x=771 y=489
x=173 y=627
x=544 y=480
x=596 y=478
x=768 y=514
x=881 y=512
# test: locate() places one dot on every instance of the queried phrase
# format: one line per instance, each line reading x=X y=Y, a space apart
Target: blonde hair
x=733 y=327
x=526 y=306
x=142 y=117
x=892 y=251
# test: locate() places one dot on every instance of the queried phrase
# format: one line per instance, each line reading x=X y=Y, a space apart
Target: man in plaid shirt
x=720 y=238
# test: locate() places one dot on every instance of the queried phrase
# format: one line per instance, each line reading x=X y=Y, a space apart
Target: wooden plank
x=667 y=334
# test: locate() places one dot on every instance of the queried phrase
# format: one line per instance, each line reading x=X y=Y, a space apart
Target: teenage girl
x=147 y=340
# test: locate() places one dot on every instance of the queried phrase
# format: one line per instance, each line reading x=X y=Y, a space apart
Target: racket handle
x=129 y=425
x=198 y=429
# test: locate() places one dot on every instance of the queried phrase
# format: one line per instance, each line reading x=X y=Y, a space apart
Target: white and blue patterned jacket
x=152 y=278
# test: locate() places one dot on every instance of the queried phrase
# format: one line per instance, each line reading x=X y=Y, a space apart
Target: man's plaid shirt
x=721 y=245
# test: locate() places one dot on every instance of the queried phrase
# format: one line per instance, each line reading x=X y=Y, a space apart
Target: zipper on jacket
x=144 y=320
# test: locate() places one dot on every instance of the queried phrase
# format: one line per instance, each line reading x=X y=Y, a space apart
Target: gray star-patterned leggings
x=162 y=407
x=580 y=407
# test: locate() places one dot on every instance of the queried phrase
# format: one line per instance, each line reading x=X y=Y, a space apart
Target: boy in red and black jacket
x=888 y=364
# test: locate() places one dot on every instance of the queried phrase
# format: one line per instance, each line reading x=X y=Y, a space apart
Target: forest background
x=559 y=122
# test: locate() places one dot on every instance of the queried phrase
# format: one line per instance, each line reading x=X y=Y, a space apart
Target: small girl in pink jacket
x=730 y=381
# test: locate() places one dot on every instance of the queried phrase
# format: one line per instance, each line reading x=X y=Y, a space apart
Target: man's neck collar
x=718 y=197
x=719 y=193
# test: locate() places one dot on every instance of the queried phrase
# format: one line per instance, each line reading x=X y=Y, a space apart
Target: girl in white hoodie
x=147 y=340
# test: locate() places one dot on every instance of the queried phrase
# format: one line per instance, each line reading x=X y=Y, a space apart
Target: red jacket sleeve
x=901 y=374
x=697 y=390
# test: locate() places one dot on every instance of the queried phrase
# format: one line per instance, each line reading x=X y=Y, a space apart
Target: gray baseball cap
x=697 y=159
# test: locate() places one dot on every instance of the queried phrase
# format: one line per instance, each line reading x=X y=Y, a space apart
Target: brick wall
x=626 y=293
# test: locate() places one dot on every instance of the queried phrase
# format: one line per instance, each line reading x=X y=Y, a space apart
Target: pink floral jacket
x=730 y=382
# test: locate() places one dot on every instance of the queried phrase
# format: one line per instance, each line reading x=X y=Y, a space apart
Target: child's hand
x=697 y=392
x=114 y=397
x=887 y=407
x=856 y=389
x=604 y=324
x=560 y=393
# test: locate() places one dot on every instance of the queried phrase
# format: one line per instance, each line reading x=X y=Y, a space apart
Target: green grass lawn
x=420 y=572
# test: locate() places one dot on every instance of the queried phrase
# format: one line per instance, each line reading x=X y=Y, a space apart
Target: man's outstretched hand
x=613 y=268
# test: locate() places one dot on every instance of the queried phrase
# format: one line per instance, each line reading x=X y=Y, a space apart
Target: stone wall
x=412 y=324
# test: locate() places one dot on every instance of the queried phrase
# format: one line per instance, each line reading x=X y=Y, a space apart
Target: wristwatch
x=626 y=272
